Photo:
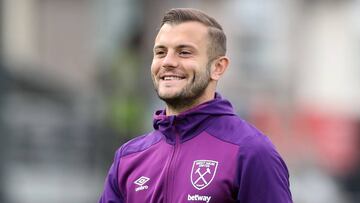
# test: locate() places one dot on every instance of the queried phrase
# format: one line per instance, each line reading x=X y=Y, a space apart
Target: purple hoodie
x=206 y=154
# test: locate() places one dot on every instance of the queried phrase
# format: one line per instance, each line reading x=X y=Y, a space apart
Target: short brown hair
x=217 y=45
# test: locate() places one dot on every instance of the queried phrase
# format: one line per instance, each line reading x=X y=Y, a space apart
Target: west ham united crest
x=202 y=173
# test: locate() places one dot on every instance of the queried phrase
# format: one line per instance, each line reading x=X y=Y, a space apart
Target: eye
x=185 y=53
x=159 y=53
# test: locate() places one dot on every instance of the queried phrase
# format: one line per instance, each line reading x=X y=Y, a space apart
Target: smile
x=171 y=77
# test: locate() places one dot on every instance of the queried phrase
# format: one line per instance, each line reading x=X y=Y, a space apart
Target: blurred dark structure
x=3 y=88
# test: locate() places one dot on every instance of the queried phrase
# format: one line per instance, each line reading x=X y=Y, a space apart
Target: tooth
x=172 y=78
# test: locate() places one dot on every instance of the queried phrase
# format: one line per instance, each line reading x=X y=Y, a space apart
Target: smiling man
x=199 y=150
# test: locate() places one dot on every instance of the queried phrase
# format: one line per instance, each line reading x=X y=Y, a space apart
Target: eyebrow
x=185 y=46
x=177 y=47
x=159 y=47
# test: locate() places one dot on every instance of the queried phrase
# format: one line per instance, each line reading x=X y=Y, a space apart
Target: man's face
x=180 y=67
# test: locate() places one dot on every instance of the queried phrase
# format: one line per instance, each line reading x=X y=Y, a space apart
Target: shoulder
x=235 y=130
x=139 y=143
x=251 y=141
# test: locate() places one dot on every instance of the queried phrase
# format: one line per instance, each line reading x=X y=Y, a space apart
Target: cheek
x=155 y=68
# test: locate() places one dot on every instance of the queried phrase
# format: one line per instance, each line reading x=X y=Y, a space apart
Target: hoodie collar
x=191 y=122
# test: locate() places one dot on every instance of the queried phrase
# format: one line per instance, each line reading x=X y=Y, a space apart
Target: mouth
x=171 y=77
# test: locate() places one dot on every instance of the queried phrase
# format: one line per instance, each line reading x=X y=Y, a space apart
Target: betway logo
x=199 y=198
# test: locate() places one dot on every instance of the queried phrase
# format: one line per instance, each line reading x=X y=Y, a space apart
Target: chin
x=168 y=95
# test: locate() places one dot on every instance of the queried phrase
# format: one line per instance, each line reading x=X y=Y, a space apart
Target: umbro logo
x=141 y=183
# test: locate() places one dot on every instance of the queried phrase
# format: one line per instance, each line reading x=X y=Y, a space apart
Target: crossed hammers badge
x=202 y=173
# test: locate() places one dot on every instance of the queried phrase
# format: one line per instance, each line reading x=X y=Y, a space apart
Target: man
x=199 y=151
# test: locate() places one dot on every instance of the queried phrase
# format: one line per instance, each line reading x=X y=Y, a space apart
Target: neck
x=187 y=105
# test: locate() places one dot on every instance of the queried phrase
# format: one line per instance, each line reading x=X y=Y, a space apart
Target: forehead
x=193 y=33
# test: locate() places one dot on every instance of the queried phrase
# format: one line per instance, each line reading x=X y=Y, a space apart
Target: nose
x=170 y=60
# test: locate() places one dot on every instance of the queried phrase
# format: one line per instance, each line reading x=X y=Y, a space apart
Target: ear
x=219 y=67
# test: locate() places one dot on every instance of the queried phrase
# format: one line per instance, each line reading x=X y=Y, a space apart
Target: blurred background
x=75 y=84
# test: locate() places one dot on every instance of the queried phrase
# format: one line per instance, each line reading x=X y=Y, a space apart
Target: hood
x=191 y=122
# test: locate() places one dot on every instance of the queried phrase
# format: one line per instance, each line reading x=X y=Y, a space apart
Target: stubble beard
x=189 y=95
